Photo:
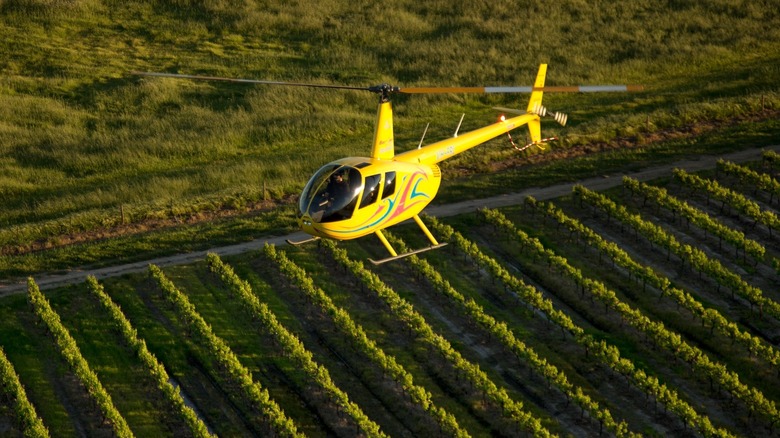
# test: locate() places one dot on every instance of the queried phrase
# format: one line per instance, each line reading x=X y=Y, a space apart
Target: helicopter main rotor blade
x=522 y=89
x=386 y=89
x=245 y=81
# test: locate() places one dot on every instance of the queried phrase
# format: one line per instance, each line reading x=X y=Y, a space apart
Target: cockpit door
x=370 y=190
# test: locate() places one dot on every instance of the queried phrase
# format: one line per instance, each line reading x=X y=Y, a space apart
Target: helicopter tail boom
x=444 y=149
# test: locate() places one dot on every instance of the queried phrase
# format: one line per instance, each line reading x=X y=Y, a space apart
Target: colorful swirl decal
x=403 y=200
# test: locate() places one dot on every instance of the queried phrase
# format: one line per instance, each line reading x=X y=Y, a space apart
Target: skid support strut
x=395 y=255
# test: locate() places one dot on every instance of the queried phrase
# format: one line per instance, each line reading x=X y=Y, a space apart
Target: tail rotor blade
x=561 y=118
x=539 y=110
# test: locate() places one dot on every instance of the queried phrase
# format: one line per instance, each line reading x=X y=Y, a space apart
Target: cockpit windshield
x=331 y=194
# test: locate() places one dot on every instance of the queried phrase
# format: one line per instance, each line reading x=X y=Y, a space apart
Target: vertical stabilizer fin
x=536 y=96
x=535 y=103
x=384 y=144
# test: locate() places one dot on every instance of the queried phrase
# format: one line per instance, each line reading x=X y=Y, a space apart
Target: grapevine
x=697 y=217
x=291 y=345
x=31 y=424
x=709 y=316
x=72 y=355
x=695 y=257
x=358 y=336
x=278 y=421
x=501 y=331
x=405 y=312
x=608 y=354
x=729 y=197
x=153 y=366
x=654 y=330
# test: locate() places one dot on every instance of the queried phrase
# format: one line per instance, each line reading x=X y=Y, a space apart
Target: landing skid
x=400 y=256
x=301 y=242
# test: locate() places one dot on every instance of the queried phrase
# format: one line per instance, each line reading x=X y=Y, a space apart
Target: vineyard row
x=608 y=354
x=654 y=330
x=695 y=257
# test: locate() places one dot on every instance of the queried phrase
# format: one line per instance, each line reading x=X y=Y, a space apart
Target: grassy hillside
x=86 y=148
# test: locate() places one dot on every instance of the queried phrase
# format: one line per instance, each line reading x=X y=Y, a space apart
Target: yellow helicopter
x=356 y=196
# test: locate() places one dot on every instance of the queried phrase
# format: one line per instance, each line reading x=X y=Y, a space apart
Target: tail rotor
x=541 y=111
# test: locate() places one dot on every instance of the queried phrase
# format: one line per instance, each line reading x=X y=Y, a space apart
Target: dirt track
x=50 y=281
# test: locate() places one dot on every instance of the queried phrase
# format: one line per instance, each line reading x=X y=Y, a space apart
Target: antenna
x=423 y=136
x=459 y=123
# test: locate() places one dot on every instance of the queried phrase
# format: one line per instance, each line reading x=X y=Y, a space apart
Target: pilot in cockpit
x=337 y=187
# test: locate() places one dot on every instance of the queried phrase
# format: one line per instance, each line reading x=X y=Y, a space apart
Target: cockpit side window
x=370 y=190
x=389 y=185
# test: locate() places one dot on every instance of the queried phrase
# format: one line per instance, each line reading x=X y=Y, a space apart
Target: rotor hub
x=384 y=91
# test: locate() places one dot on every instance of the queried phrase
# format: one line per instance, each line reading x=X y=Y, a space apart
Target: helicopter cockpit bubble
x=332 y=193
